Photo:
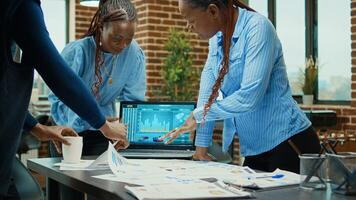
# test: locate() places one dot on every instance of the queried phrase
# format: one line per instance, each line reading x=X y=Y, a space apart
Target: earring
x=100 y=44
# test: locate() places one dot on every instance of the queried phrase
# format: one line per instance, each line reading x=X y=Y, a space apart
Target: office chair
x=28 y=141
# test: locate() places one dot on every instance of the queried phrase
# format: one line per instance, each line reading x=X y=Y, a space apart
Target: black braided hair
x=227 y=7
x=108 y=11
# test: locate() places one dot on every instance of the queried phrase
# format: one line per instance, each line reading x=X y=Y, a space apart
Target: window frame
x=43 y=85
x=311 y=42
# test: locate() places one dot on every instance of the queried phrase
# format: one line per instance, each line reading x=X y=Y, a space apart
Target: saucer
x=72 y=163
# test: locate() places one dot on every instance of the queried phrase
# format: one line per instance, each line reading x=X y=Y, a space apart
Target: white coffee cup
x=73 y=152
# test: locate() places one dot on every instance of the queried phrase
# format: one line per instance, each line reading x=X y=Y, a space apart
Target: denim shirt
x=257 y=103
x=128 y=80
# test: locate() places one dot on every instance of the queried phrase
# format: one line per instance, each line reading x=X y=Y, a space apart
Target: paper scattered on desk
x=165 y=177
x=265 y=180
x=153 y=171
x=197 y=190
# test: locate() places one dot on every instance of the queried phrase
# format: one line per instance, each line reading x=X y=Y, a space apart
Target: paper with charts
x=198 y=189
x=160 y=178
x=165 y=171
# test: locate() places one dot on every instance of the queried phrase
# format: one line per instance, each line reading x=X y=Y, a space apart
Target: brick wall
x=83 y=16
x=156 y=17
x=353 y=57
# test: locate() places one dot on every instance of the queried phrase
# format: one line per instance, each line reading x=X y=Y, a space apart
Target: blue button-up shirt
x=256 y=101
x=128 y=80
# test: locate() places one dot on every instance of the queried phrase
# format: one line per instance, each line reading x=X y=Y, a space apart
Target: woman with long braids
x=244 y=82
x=111 y=65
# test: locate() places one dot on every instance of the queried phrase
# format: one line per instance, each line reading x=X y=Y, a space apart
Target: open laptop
x=148 y=121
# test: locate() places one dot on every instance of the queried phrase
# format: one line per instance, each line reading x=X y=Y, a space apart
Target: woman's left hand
x=189 y=126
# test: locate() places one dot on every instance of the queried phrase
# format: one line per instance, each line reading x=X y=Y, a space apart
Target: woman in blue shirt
x=110 y=63
x=244 y=82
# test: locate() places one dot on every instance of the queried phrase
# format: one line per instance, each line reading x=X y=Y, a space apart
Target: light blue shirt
x=256 y=103
x=128 y=80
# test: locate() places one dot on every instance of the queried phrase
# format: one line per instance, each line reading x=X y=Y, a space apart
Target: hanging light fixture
x=90 y=3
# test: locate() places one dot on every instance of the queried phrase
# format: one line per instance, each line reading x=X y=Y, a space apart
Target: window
x=55 y=15
x=318 y=28
x=260 y=6
x=290 y=26
x=334 y=50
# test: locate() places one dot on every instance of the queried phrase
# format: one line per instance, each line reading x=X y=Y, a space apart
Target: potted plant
x=179 y=75
x=310 y=80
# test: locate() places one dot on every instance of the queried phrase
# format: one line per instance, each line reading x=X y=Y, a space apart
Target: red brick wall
x=156 y=17
x=83 y=16
x=353 y=56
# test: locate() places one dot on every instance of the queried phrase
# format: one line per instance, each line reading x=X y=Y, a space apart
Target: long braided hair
x=108 y=11
x=228 y=6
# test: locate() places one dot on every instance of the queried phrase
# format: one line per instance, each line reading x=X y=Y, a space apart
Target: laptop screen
x=147 y=121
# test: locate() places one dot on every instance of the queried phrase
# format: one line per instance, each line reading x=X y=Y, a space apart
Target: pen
x=273 y=176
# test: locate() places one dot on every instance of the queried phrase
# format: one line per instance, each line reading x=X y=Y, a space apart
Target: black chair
x=28 y=141
x=26 y=185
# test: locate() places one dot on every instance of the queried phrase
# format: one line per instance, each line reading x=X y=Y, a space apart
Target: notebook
x=148 y=121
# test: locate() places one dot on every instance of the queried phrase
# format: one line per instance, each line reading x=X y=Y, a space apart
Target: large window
x=55 y=14
x=260 y=6
x=290 y=22
x=320 y=28
x=334 y=50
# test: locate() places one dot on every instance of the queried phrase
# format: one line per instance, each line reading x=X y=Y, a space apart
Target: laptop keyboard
x=157 y=153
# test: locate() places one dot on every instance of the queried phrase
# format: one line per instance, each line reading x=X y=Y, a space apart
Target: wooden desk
x=103 y=189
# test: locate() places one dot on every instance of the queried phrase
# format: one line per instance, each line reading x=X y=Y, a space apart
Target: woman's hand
x=54 y=133
x=116 y=131
x=121 y=144
x=189 y=126
x=112 y=119
x=201 y=153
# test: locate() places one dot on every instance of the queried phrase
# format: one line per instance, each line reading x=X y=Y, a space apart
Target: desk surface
x=103 y=189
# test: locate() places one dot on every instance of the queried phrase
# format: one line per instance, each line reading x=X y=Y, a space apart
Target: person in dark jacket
x=22 y=27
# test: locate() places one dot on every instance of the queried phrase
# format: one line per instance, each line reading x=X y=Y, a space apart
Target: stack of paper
x=82 y=165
